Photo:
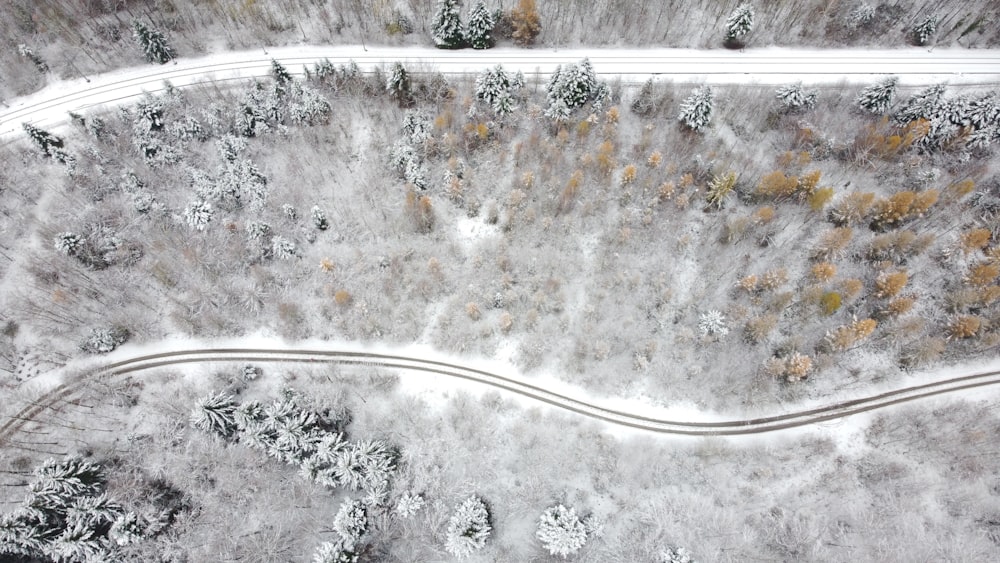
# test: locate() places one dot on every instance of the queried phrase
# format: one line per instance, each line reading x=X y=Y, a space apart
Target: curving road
x=516 y=386
x=50 y=106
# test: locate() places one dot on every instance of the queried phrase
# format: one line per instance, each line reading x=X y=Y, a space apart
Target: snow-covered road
x=50 y=106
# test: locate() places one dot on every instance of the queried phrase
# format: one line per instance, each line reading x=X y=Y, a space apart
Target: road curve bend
x=412 y=365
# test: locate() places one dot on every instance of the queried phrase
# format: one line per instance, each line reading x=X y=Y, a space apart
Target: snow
x=48 y=107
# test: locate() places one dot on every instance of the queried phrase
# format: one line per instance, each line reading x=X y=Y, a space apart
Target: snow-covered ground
x=49 y=107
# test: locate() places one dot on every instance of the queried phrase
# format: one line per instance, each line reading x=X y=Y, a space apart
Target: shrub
x=832 y=243
x=830 y=302
x=982 y=275
x=104 y=340
x=820 y=198
x=890 y=284
x=468 y=528
x=975 y=239
x=824 y=271
x=719 y=188
x=561 y=531
x=846 y=336
x=759 y=328
x=963 y=326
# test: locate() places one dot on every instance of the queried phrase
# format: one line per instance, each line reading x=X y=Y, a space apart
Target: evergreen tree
x=214 y=413
x=479 y=33
x=571 y=87
x=319 y=218
x=676 y=555
x=351 y=521
x=45 y=140
x=468 y=528
x=696 y=110
x=739 y=23
x=795 y=97
x=926 y=29
x=643 y=104
x=878 y=97
x=527 y=23
x=446 y=28
x=927 y=104
x=69 y=244
x=398 y=84
x=198 y=214
x=280 y=73
x=561 y=531
x=495 y=87
x=153 y=43
x=336 y=552
x=29 y=54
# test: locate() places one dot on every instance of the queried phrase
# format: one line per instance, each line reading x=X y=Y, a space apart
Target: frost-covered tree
x=696 y=110
x=68 y=243
x=198 y=214
x=927 y=104
x=794 y=97
x=561 y=531
x=67 y=478
x=319 y=218
x=398 y=84
x=712 y=323
x=409 y=504
x=878 y=97
x=153 y=43
x=468 y=528
x=43 y=139
x=861 y=15
x=336 y=552
x=213 y=413
x=446 y=28
x=676 y=555
x=30 y=54
x=924 y=30
x=351 y=521
x=279 y=73
x=479 y=32
x=365 y=465
x=571 y=87
x=283 y=248
x=104 y=340
x=417 y=127
x=258 y=230
x=496 y=87
x=739 y=23
x=127 y=529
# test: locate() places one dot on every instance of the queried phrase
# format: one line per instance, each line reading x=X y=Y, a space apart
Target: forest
x=733 y=249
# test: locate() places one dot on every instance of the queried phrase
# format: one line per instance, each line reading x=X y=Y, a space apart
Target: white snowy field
x=50 y=106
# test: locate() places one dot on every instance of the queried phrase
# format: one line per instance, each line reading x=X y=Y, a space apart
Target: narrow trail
x=415 y=366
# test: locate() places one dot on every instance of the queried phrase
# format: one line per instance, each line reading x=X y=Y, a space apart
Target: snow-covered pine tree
x=417 y=127
x=351 y=521
x=153 y=43
x=479 y=32
x=860 y=16
x=468 y=528
x=739 y=23
x=279 y=73
x=927 y=104
x=198 y=214
x=676 y=555
x=794 y=97
x=561 y=531
x=571 y=87
x=283 y=248
x=643 y=103
x=495 y=87
x=926 y=29
x=30 y=54
x=104 y=340
x=213 y=413
x=398 y=84
x=696 y=110
x=365 y=464
x=336 y=552
x=319 y=218
x=69 y=244
x=712 y=323
x=409 y=504
x=878 y=97
x=43 y=139
x=67 y=478
x=446 y=28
